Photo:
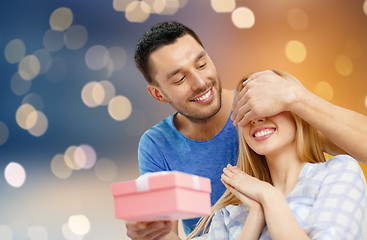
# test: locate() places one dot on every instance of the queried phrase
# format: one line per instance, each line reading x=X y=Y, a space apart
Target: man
x=201 y=138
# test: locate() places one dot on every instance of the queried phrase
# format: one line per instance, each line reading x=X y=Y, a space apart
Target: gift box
x=162 y=196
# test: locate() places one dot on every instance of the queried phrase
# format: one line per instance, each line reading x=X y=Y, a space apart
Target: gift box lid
x=162 y=180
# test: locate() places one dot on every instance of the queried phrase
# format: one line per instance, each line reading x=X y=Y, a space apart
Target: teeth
x=204 y=97
x=264 y=132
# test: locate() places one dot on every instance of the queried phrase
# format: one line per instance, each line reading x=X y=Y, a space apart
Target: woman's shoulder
x=337 y=165
x=343 y=168
x=340 y=162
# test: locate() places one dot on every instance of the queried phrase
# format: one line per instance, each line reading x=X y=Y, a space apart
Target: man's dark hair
x=159 y=35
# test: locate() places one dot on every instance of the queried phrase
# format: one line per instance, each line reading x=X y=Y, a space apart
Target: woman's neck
x=285 y=168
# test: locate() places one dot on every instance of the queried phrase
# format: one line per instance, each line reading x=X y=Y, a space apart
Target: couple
x=281 y=188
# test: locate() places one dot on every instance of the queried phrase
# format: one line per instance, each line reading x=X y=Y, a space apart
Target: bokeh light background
x=73 y=105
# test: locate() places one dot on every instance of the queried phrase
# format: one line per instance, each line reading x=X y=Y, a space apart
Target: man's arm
x=266 y=94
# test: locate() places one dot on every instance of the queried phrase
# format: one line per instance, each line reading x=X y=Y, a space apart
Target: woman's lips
x=263 y=133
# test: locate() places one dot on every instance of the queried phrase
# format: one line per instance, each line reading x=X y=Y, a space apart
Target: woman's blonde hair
x=309 y=146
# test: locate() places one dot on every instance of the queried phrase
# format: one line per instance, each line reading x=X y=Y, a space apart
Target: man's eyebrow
x=174 y=72
x=201 y=54
x=171 y=74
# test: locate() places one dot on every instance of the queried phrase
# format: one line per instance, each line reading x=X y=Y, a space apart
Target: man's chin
x=201 y=117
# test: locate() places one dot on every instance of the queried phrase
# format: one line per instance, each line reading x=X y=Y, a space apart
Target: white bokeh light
x=98 y=93
x=79 y=224
x=69 y=235
x=15 y=174
x=97 y=57
x=87 y=96
x=243 y=17
x=61 y=19
x=59 y=167
x=223 y=5
x=109 y=91
x=85 y=156
x=121 y=5
x=29 y=67
x=165 y=7
x=15 y=51
x=295 y=51
x=119 y=108
x=137 y=11
x=69 y=158
x=40 y=123
x=22 y=115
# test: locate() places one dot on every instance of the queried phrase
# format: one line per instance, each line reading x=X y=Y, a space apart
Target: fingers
x=229 y=173
x=242 y=107
x=250 y=203
x=148 y=230
x=159 y=234
x=239 y=97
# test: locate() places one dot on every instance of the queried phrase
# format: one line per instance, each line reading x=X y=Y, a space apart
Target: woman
x=282 y=187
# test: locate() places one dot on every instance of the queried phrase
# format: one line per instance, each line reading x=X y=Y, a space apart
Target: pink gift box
x=162 y=196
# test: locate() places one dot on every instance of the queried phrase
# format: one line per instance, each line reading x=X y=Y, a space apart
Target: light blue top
x=164 y=148
x=328 y=202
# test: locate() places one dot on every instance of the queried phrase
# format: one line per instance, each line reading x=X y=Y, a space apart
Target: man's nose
x=198 y=81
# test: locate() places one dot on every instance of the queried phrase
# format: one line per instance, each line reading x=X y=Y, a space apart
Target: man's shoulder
x=162 y=128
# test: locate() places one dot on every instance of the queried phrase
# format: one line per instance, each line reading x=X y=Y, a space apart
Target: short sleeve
x=339 y=208
x=149 y=157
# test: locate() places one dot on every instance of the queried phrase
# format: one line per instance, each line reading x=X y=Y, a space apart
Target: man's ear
x=156 y=93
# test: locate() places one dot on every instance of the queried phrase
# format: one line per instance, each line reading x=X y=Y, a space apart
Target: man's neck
x=209 y=128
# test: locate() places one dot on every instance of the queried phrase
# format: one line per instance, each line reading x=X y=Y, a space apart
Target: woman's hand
x=255 y=220
x=245 y=184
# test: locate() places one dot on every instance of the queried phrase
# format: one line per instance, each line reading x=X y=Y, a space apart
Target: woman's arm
x=255 y=220
x=280 y=220
x=253 y=227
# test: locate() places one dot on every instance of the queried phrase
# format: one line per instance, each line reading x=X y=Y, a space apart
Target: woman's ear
x=156 y=93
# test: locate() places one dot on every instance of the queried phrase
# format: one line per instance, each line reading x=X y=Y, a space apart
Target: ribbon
x=142 y=182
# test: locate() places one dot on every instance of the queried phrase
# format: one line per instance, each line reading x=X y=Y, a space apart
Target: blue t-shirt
x=164 y=148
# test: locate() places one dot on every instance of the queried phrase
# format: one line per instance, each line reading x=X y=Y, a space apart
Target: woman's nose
x=257 y=121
